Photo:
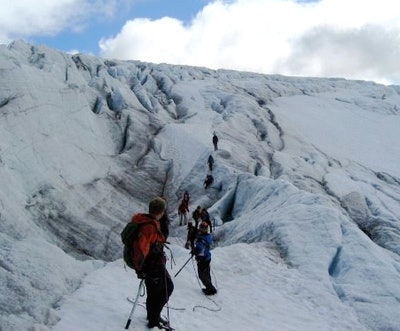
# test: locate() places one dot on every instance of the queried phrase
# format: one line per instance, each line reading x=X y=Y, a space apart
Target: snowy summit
x=305 y=201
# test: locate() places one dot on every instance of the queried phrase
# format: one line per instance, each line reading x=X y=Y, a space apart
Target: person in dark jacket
x=191 y=236
x=203 y=257
x=150 y=261
x=208 y=181
x=215 y=141
x=210 y=162
x=196 y=216
x=205 y=217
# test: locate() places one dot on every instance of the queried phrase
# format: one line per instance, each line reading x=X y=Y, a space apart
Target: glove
x=194 y=251
x=187 y=245
x=141 y=274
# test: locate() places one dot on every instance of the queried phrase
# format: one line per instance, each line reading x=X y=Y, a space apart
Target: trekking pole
x=134 y=305
x=184 y=265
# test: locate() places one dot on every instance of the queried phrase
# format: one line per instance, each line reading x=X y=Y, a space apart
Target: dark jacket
x=191 y=236
x=205 y=216
x=196 y=214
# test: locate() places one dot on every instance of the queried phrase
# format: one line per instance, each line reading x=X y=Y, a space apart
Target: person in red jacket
x=150 y=261
x=183 y=209
x=186 y=197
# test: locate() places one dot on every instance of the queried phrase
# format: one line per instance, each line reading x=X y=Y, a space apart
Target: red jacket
x=183 y=207
x=148 y=248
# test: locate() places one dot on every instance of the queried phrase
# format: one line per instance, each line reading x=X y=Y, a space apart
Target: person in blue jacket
x=203 y=257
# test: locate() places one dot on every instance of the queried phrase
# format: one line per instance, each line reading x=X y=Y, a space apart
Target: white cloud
x=370 y=52
x=347 y=38
x=24 y=18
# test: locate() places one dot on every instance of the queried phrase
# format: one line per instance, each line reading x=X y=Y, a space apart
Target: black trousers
x=159 y=288
x=203 y=268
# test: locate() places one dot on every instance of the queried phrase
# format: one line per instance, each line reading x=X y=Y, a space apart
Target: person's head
x=203 y=227
x=198 y=208
x=190 y=224
x=157 y=207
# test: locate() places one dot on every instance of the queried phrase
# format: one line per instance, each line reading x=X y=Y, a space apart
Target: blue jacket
x=202 y=246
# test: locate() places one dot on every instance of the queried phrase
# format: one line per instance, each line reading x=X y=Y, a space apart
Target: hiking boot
x=163 y=321
x=153 y=324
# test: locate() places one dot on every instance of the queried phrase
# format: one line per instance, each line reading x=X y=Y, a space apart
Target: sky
x=353 y=39
x=305 y=200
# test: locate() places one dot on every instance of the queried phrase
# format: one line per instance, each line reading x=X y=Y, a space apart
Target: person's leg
x=159 y=288
x=203 y=268
x=151 y=300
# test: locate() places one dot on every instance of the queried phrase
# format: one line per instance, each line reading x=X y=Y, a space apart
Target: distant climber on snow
x=210 y=162
x=183 y=208
x=208 y=181
x=182 y=212
x=215 y=141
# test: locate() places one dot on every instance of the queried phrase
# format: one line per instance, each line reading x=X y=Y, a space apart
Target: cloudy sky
x=355 y=39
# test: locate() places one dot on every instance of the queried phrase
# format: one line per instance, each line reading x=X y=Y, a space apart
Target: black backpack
x=128 y=235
